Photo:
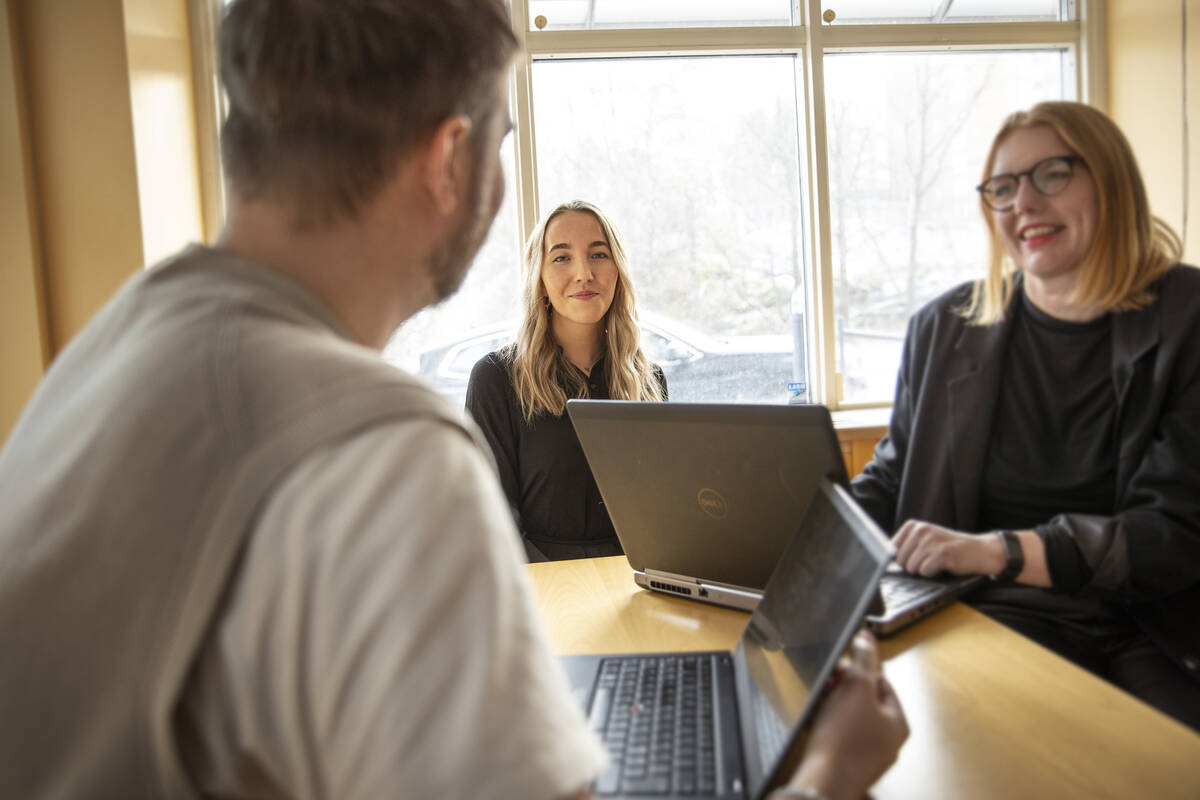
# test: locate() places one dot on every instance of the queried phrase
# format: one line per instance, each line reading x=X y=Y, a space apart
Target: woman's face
x=578 y=272
x=1046 y=236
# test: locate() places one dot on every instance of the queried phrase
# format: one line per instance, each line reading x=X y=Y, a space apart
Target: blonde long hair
x=540 y=370
x=1131 y=249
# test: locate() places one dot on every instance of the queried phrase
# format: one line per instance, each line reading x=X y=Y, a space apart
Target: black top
x=1145 y=553
x=1053 y=450
x=543 y=471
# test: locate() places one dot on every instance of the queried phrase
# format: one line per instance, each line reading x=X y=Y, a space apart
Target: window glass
x=907 y=137
x=695 y=160
x=437 y=342
x=877 y=12
x=595 y=14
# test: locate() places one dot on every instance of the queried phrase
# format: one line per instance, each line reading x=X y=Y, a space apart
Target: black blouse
x=1053 y=445
x=1053 y=450
x=543 y=471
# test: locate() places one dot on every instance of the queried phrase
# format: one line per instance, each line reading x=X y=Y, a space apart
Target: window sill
x=861 y=423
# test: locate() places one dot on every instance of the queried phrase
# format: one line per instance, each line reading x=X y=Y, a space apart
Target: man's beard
x=451 y=260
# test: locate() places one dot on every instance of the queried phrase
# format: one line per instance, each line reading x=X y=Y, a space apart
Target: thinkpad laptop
x=704 y=497
x=723 y=724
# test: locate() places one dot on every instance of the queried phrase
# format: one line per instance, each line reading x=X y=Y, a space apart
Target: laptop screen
x=812 y=606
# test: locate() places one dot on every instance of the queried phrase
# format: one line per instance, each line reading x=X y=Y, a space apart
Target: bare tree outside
x=695 y=161
x=907 y=135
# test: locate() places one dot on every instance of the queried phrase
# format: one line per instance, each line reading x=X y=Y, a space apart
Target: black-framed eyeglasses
x=1049 y=176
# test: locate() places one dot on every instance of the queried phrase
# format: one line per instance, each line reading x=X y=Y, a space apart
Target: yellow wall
x=1145 y=55
x=99 y=163
x=24 y=346
x=81 y=130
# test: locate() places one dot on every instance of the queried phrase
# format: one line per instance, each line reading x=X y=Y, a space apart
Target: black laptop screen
x=812 y=606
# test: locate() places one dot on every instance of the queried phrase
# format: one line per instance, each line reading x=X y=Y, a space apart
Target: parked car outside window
x=699 y=368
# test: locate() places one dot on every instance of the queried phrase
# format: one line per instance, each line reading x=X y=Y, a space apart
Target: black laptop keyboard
x=656 y=717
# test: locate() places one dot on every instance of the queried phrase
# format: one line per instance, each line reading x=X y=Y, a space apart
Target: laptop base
x=899 y=615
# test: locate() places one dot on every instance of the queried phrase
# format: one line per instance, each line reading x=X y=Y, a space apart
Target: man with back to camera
x=242 y=556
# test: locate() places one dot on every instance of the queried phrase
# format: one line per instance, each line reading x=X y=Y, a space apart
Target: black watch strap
x=1014 y=557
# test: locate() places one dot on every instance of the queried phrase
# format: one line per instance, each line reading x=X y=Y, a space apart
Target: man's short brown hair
x=326 y=95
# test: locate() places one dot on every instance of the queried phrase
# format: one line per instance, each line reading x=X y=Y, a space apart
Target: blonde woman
x=1046 y=429
x=579 y=338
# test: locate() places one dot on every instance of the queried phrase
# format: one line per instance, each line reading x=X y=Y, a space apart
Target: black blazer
x=1146 y=554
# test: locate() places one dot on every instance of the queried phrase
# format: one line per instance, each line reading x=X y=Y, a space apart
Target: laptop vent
x=670 y=587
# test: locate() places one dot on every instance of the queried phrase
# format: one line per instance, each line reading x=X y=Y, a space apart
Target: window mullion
x=664 y=41
x=524 y=152
x=923 y=36
x=1093 y=54
x=821 y=261
x=203 y=18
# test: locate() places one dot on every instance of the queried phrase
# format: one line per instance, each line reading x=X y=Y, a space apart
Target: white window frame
x=809 y=39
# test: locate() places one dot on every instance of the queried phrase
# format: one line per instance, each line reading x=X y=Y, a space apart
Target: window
x=793 y=178
x=695 y=159
x=907 y=137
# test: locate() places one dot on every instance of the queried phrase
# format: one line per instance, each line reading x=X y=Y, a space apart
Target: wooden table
x=992 y=714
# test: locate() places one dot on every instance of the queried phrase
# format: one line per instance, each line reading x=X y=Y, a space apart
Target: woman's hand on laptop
x=857 y=732
x=923 y=548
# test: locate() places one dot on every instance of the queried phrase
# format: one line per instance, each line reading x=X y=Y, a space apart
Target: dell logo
x=712 y=503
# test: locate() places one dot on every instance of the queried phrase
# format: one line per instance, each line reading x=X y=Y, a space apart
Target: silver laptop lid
x=709 y=491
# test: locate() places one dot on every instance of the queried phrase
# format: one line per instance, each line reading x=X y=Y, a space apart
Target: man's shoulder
x=274 y=349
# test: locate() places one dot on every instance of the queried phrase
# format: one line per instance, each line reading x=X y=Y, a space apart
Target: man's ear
x=447 y=161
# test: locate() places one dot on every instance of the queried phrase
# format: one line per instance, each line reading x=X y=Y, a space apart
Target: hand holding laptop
x=857 y=732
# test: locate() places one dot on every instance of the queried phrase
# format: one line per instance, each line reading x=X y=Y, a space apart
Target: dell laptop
x=704 y=497
x=723 y=724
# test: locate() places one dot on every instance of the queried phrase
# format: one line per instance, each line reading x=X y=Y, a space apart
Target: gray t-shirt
x=380 y=640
